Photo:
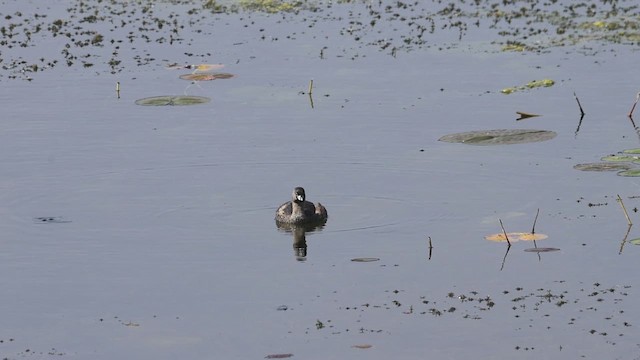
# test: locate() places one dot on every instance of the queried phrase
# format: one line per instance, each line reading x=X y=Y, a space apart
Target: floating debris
x=179 y=100
x=524 y=115
x=50 y=220
x=499 y=137
x=196 y=68
x=362 y=346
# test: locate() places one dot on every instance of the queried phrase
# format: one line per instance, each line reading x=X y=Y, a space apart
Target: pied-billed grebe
x=300 y=211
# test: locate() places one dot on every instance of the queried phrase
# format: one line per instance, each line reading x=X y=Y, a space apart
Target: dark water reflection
x=299 y=233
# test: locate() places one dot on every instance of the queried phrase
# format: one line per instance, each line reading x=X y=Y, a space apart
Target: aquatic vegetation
x=206 y=76
x=179 y=100
x=366 y=259
x=630 y=173
x=499 y=137
x=530 y=85
x=622 y=158
x=516 y=236
x=602 y=166
x=270 y=6
x=623 y=162
x=541 y=250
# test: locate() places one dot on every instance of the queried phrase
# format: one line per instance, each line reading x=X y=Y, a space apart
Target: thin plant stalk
x=533 y=230
x=578 y=101
x=634 y=105
x=505 y=233
x=625 y=210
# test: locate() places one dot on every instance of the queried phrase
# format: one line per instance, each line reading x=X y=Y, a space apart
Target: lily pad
x=530 y=85
x=206 y=76
x=632 y=151
x=516 y=236
x=513 y=236
x=621 y=158
x=635 y=241
x=499 y=136
x=532 y=236
x=365 y=259
x=539 y=250
x=602 y=166
x=630 y=173
x=179 y=100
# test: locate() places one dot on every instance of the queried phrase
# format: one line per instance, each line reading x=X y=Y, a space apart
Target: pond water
x=148 y=231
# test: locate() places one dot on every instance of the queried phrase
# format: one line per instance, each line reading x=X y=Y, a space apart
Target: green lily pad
x=632 y=151
x=630 y=173
x=635 y=241
x=623 y=158
x=499 y=137
x=530 y=85
x=179 y=100
x=602 y=166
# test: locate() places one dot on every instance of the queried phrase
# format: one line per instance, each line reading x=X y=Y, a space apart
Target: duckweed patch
x=93 y=34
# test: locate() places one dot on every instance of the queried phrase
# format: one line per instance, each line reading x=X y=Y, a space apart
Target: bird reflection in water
x=299 y=232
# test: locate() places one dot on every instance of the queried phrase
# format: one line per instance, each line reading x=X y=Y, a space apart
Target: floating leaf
x=513 y=236
x=532 y=236
x=198 y=77
x=530 y=85
x=361 y=346
x=179 y=100
x=540 y=83
x=499 y=137
x=516 y=236
x=632 y=151
x=365 y=259
x=602 y=166
x=623 y=158
x=630 y=173
x=539 y=250
x=206 y=76
x=278 y=356
x=635 y=241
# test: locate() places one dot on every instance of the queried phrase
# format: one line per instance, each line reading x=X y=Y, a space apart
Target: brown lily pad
x=178 y=100
x=206 y=76
x=539 y=250
x=365 y=259
x=499 y=137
